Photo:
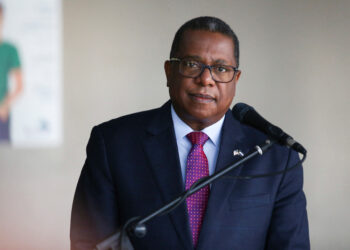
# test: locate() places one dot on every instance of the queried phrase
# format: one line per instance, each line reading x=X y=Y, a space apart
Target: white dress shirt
x=211 y=147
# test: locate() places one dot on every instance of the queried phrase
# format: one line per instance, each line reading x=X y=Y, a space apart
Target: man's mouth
x=202 y=98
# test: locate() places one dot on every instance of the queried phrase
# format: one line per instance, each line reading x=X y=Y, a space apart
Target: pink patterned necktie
x=197 y=167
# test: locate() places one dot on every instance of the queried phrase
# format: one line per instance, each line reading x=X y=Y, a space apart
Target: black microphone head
x=247 y=115
x=240 y=110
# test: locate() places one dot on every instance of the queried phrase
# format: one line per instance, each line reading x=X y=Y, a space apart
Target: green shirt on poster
x=9 y=60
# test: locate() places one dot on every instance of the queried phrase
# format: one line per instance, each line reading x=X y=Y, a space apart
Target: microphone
x=247 y=115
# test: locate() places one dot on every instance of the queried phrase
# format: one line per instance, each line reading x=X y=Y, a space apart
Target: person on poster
x=137 y=163
x=9 y=66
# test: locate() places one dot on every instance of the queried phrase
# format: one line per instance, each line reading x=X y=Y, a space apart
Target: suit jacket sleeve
x=289 y=223
x=94 y=212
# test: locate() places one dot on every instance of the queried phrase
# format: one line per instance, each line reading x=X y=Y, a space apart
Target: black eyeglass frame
x=203 y=67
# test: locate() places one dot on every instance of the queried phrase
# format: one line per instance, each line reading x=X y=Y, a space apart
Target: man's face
x=201 y=101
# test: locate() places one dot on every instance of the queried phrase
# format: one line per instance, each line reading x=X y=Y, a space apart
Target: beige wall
x=295 y=62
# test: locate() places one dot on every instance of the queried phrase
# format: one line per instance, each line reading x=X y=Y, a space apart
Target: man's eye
x=191 y=64
x=222 y=69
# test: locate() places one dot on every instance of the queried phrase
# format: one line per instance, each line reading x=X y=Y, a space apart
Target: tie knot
x=197 y=138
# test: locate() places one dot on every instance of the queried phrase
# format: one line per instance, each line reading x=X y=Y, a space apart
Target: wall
x=295 y=69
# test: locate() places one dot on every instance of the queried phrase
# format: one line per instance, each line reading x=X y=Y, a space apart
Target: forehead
x=207 y=46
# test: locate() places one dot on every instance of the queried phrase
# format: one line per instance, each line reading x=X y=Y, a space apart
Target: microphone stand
x=136 y=225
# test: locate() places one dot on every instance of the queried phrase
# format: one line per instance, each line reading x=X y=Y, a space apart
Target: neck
x=196 y=124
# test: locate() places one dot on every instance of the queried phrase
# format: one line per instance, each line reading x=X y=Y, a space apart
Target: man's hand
x=4 y=112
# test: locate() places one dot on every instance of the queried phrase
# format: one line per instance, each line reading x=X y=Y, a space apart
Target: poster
x=33 y=29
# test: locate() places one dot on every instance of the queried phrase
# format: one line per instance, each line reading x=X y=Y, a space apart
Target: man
x=137 y=163
x=9 y=66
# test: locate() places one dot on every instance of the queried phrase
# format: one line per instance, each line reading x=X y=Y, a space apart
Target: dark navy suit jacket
x=132 y=168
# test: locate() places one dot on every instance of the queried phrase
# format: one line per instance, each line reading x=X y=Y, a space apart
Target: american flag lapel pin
x=238 y=152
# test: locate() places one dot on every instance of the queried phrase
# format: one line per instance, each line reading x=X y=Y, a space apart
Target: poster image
x=30 y=73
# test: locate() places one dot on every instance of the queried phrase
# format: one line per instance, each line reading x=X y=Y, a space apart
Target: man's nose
x=206 y=78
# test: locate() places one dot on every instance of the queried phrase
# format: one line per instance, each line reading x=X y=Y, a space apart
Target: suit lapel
x=161 y=149
x=231 y=138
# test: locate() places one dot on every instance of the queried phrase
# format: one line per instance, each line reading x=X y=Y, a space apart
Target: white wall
x=295 y=62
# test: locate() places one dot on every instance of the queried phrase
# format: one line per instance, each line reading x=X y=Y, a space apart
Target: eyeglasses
x=193 y=69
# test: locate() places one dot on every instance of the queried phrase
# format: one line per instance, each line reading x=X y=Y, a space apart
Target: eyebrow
x=192 y=57
x=220 y=61
x=198 y=58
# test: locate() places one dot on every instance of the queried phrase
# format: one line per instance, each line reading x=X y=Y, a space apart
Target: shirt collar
x=182 y=129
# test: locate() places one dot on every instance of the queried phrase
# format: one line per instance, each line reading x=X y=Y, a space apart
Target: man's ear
x=168 y=73
x=237 y=75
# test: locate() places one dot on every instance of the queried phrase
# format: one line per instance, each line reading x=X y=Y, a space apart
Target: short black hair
x=207 y=23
